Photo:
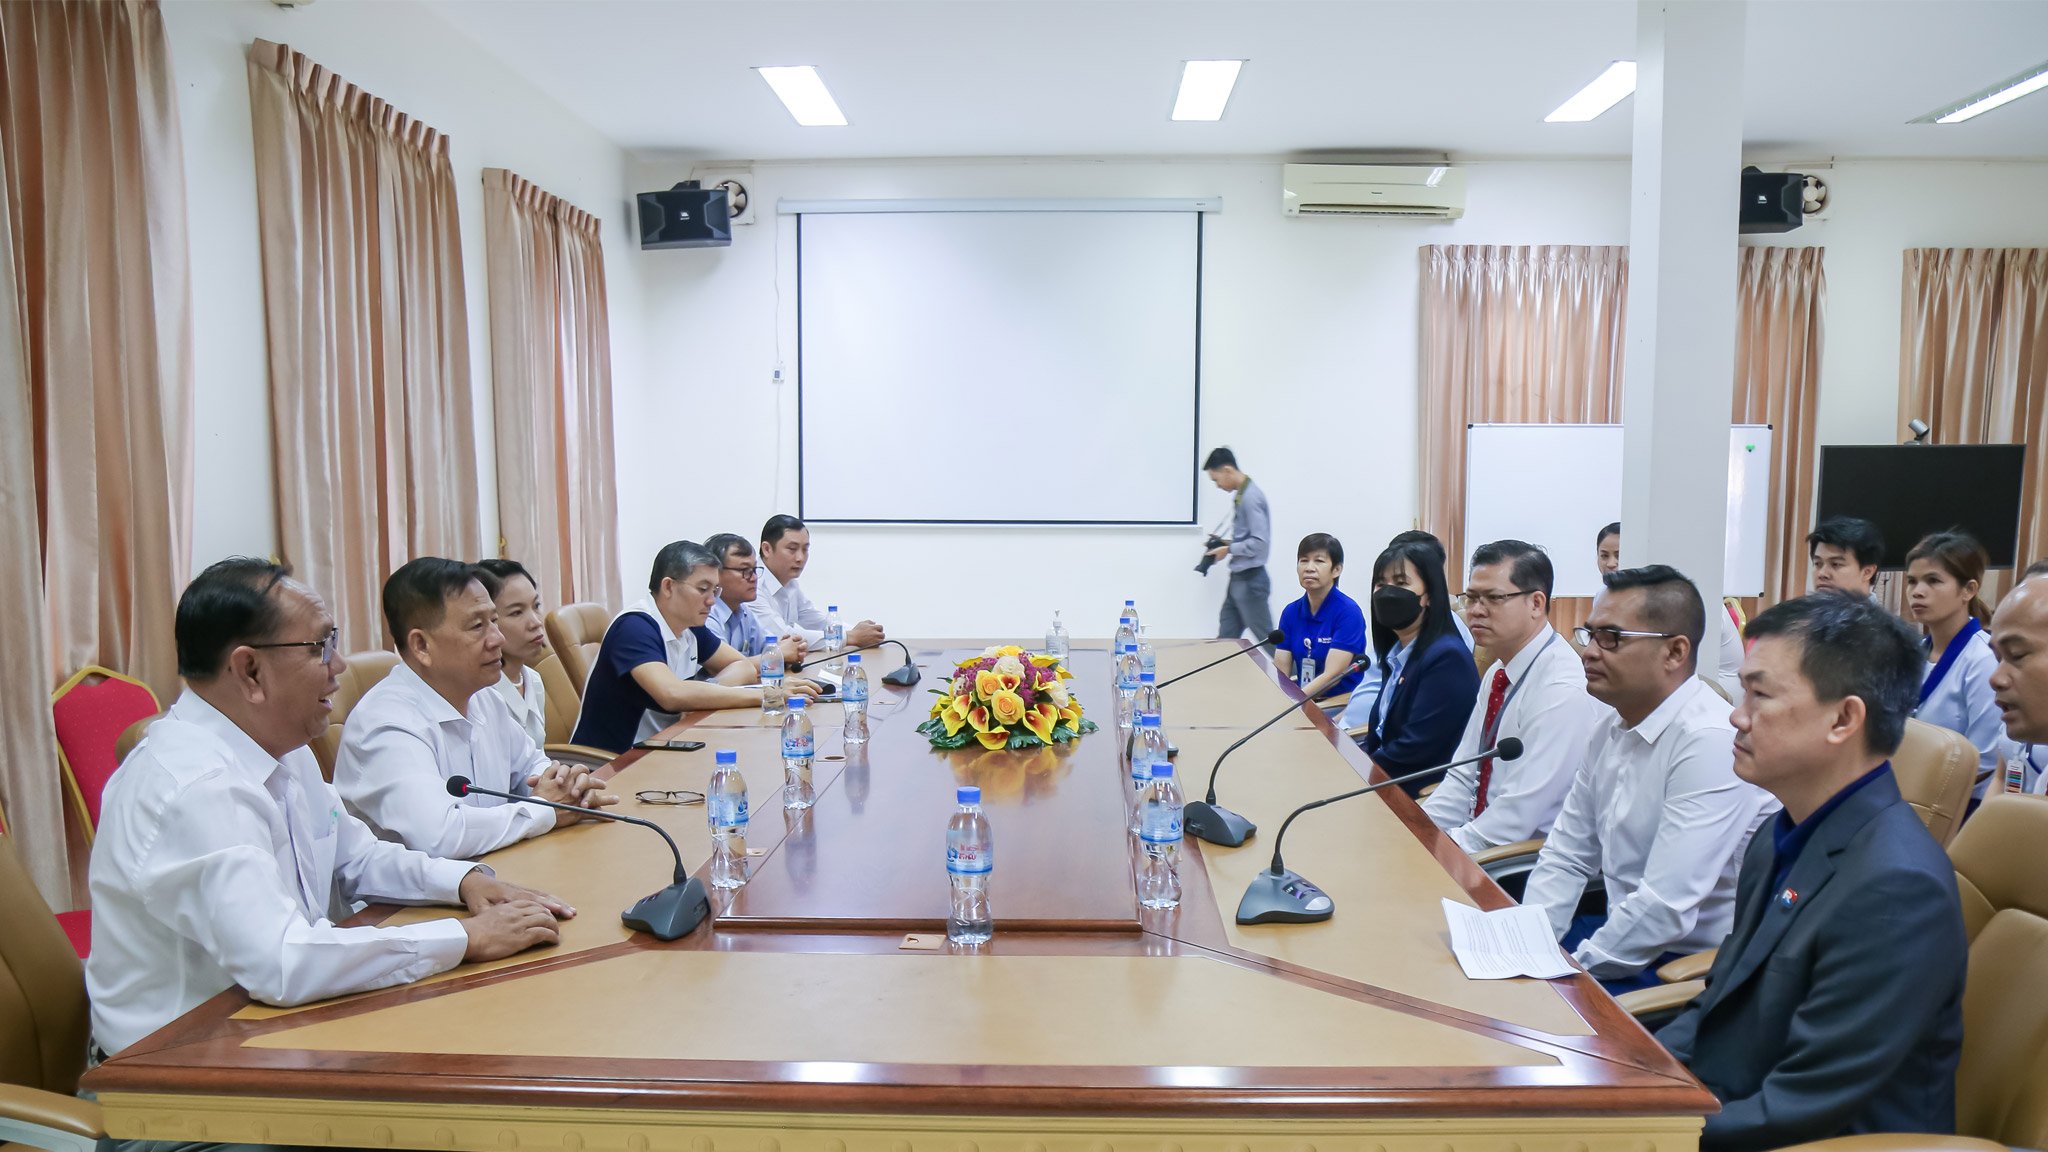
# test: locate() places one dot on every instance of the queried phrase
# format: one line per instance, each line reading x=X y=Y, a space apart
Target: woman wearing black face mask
x=1430 y=682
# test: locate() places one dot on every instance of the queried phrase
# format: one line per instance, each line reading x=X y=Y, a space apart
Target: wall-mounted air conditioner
x=1429 y=192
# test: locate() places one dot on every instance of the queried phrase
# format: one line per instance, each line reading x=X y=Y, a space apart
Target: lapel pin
x=1788 y=897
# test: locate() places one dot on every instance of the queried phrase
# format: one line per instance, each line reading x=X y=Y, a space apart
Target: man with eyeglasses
x=1535 y=690
x=219 y=845
x=1655 y=809
x=439 y=715
x=659 y=660
x=739 y=584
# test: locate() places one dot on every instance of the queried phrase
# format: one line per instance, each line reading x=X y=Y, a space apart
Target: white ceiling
x=1072 y=78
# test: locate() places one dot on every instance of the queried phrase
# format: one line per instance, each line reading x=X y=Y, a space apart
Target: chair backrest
x=1482 y=657
x=364 y=670
x=44 y=1018
x=2004 y=890
x=1935 y=769
x=132 y=735
x=91 y=711
x=575 y=632
x=1715 y=684
x=562 y=701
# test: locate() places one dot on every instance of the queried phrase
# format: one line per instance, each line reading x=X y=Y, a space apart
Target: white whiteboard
x=1557 y=485
x=1037 y=366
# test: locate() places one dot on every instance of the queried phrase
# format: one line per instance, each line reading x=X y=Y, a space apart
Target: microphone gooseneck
x=460 y=786
x=1274 y=637
x=1508 y=749
x=1290 y=710
x=904 y=677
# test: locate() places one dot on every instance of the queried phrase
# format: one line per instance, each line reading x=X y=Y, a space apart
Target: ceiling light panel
x=803 y=93
x=2005 y=92
x=1607 y=89
x=1205 y=88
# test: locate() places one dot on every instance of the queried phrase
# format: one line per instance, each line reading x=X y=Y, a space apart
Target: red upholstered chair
x=92 y=709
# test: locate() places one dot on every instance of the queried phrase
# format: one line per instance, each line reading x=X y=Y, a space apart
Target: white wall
x=406 y=54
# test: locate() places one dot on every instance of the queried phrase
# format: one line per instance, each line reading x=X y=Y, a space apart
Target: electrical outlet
x=778 y=376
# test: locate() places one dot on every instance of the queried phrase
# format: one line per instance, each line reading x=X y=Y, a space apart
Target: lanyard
x=1948 y=657
x=1486 y=736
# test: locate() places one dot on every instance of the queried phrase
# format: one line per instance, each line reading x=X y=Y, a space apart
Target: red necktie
x=1494 y=700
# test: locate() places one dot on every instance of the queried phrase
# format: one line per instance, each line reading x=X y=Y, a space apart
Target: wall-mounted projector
x=685 y=216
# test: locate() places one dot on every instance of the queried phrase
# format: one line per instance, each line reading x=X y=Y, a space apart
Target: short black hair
x=726 y=543
x=780 y=525
x=1529 y=569
x=1428 y=559
x=1320 y=542
x=1613 y=529
x=677 y=560
x=417 y=595
x=1671 y=602
x=1851 y=646
x=1418 y=536
x=229 y=604
x=1860 y=538
x=494 y=572
x=1219 y=458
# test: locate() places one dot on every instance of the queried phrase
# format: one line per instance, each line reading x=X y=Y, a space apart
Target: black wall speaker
x=1771 y=201
x=685 y=216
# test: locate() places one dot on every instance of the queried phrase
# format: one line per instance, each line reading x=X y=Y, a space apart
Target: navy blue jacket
x=1835 y=1005
x=1426 y=710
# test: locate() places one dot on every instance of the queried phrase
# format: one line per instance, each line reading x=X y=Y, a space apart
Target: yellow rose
x=1010 y=650
x=1008 y=706
x=1041 y=720
x=987 y=684
x=993 y=740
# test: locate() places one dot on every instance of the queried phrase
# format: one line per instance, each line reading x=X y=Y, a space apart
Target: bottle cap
x=798 y=703
x=1148 y=720
x=1130 y=646
x=1130 y=603
x=968 y=794
x=831 y=607
x=1147 y=677
x=853 y=658
x=1162 y=770
x=727 y=756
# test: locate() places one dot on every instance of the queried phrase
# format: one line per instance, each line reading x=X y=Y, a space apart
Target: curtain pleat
x=374 y=445
x=1781 y=300
x=551 y=388
x=98 y=355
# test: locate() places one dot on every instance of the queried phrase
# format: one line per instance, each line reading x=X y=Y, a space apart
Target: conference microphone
x=1273 y=639
x=673 y=912
x=1278 y=896
x=1207 y=820
x=905 y=677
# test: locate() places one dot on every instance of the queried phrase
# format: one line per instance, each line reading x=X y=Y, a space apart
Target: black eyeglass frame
x=680 y=797
x=327 y=647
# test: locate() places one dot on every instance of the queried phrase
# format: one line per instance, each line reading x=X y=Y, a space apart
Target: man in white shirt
x=220 y=850
x=1534 y=691
x=2019 y=634
x=1727 y=663
x=437 y=715
x=520 y=619
x=1655 y=809
x=782 y=607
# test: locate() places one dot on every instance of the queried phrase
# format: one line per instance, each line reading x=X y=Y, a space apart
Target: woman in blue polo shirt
x=1325 y=629
x=1429 y=682
x=1943 y=574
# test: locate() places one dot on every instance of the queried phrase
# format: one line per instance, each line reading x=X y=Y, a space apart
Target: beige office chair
x=44 y=1022
x=562 y=707
x=132 y=736
x=364 y=671
x=575 y=632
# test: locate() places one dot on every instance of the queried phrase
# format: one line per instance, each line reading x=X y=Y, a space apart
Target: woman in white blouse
x=512 y=588
x=1943 y=573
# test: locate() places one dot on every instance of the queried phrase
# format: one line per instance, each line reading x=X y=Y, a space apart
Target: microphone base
x=904 y=677
x=1283 y=899
x=1215 y=824
x=672 y=913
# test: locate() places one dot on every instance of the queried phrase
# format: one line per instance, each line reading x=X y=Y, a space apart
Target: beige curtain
x=95 y=379
x=551 y=386
x=1781 y=299
x=1513 y=335
x=1973 y=363
x=372 y=431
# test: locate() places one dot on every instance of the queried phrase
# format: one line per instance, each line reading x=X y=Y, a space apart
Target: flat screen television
x=1910 y=490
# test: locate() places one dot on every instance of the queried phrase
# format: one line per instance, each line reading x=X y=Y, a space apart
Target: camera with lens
x=1207 y=561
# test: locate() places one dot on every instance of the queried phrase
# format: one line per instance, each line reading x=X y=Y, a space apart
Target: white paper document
x=1506 y=942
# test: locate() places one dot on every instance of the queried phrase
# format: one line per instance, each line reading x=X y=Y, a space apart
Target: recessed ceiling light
x=1607 y=89
x=804 y=94
x=1205 y=88
x=2005 y=92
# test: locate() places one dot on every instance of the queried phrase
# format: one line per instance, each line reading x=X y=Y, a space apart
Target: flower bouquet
x=1006 y=698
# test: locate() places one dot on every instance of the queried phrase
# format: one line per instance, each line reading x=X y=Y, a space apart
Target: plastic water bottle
x=1148 y=656
x=1148 y=751
x=772 y=691
x=1147 y=701
x=799 y=745
x=1056 y=638
x=1159 y=831
x=835 y=629
x=853 y=693
x=1125 y=632
x=725 y=810
x=1127 y=686
x=1131 y=610
x=970 y=860
x=1307 y=672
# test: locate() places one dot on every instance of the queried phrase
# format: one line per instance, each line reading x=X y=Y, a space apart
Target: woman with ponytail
x=1944 y=572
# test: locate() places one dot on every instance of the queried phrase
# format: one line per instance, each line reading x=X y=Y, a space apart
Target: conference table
x=821 y=1010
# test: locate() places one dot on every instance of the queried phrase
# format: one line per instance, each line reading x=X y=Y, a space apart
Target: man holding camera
x=1246 y=603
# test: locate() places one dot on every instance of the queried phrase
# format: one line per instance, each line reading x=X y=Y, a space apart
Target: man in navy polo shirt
x=1325 y=629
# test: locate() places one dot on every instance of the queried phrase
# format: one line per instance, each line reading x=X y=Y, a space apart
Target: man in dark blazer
x=1834 y=1007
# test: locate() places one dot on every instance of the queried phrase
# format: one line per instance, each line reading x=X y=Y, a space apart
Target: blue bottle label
x=1161 y=824
x=798 y=747
x=969 y=860
x=727 y=811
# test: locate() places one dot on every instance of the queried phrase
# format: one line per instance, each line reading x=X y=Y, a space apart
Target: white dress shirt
x=784 y=610
x=1963 y=703
x=1658 y=813
x=215 y=865
x=528 y=699
x=1728 y=674
x=400 y=745
x=1553 y=717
